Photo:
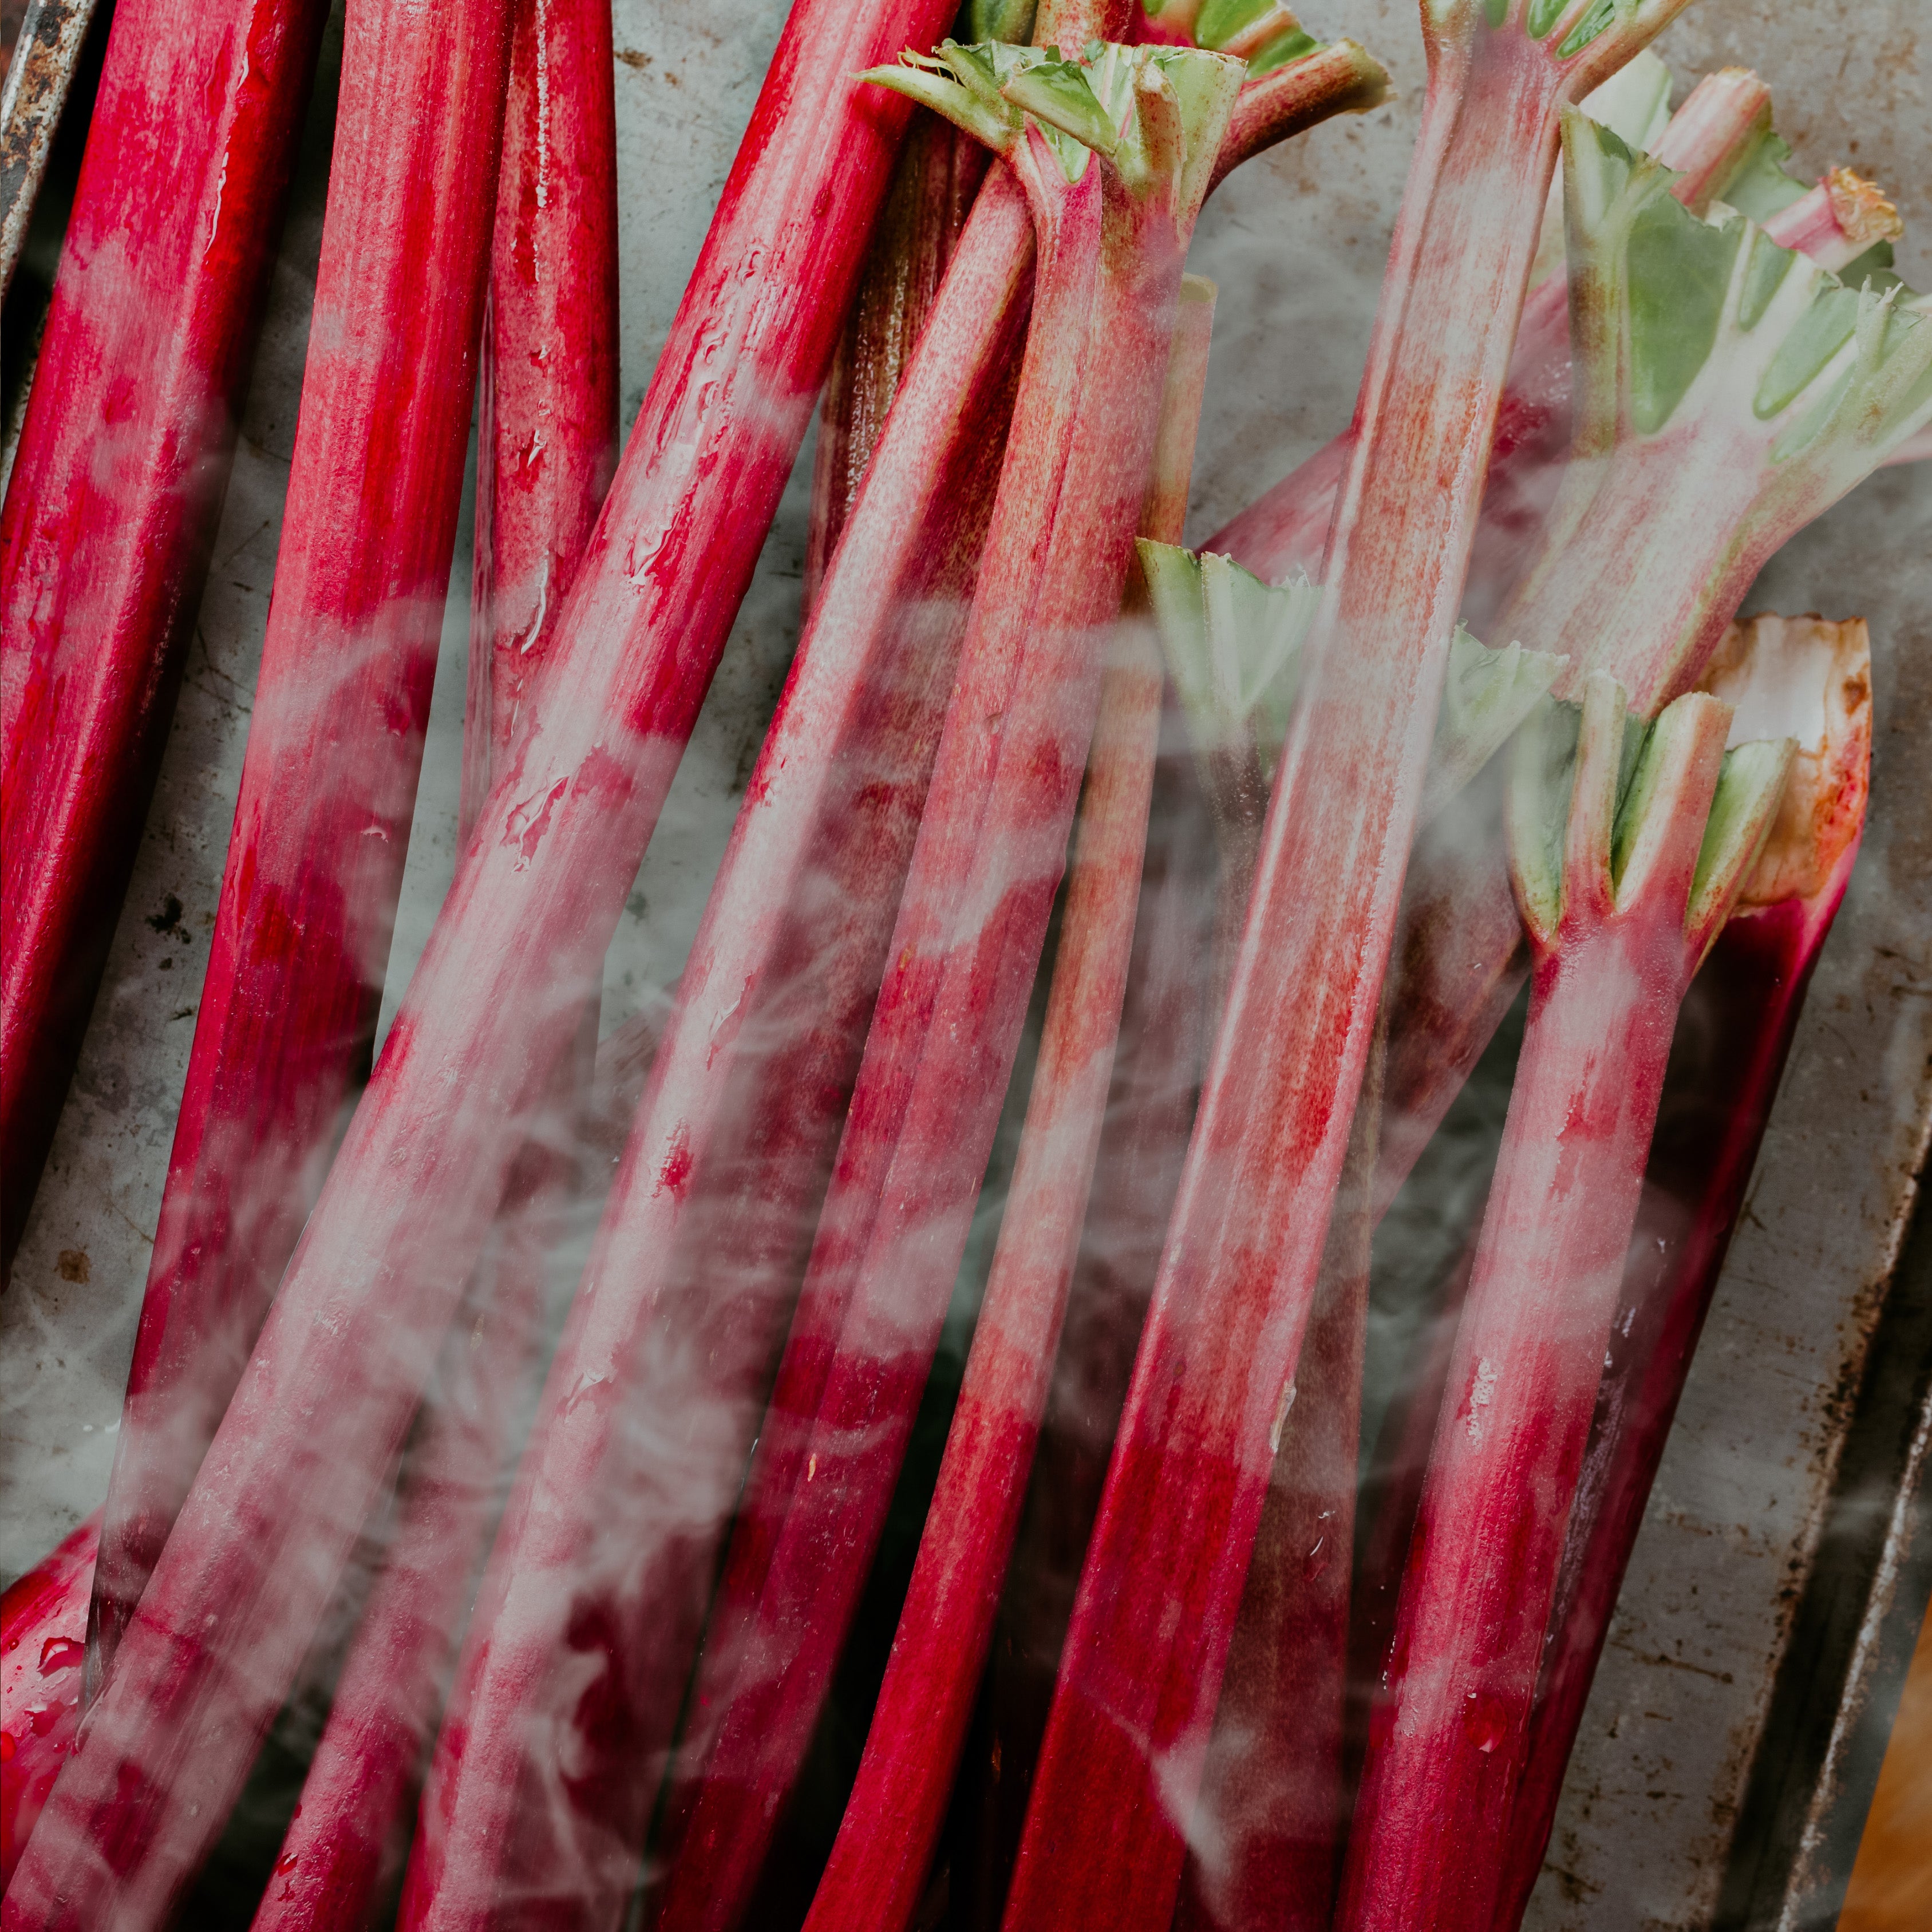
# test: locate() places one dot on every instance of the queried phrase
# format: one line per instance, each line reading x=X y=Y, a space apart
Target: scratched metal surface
x=1298 y=245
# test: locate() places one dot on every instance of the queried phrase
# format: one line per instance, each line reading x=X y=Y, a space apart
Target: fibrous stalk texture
x=879 y=1862
x=1726 y=1062
x=548 y=441
x=1629 y=847
x=116 y=491
x=315 y=860
x=1121 y=1762
x=308 y=1438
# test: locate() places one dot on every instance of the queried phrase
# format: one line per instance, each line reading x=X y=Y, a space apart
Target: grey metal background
x=1701 y=1657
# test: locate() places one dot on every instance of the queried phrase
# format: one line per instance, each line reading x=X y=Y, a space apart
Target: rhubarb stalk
x=1719 y=145
x=315 y=862
x=356 y=1327
x=603 y=1566
x=1112 y=230
x=1120 y=1765
x=1729 y=390
x=116 y=490
x=548 y=441
x=1264 y=1835
x=1742 y=1011
x=547 y=422
x=944 y=1036
x=43 y=1639
x=879 y=1861
x=343 y=1855
x=1629 y=845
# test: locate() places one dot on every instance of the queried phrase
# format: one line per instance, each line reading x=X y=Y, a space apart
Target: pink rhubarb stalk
x=1743 y=1010
x=342 y=1856
x=1121 y=1762
x=879 y=1862
x=309 y=1437
x=1263 y=1844
x=116 y=491
x=1622 y=888
x=43 y=1639
x=1263 y=1834
x=1709 y=427
x=1157 y=1077
x=596 y=1590
x=548 y=443
x=966 y=940
x=315 y=863
x=991 y=849
x=1721 y=131
x=548 y=423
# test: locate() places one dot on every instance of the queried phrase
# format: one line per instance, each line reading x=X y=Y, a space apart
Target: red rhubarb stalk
x=1157 y=1077
x=1264 y=1841
x=992 y=843
x=342 y=1856
x=547 y=445
x=879 y=1862
x=1622 y=889
x=590 y=1614
x=315 y=863
x=42 y=1639
x=318 y=1416
x=983 y=872
x=1711 y=426
x=1263 y=1834
x=939 y=173
x=116 y=491
x=1120 y=1765
x=1740 y=1015
x=548 y=423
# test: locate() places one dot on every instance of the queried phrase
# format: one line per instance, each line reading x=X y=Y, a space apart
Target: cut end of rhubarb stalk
x=1156 y=114
x=1862 y=210
x=1608 y=813
x=1720 y=142
x=1808 y=680
x=1487 y=695
x=1233 y=646
x=1708 y=326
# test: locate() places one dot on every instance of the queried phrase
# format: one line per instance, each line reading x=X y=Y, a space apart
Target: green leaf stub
x=1587 y=29
x=1825 y=329
x=1680 y=272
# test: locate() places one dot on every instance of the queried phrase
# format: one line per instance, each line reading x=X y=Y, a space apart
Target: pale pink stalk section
x=878 y=1865
x=1121 y=1763
x=1447 y=1744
